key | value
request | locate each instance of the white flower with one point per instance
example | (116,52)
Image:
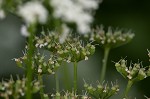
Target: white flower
(24,31)
(1,1)
(39,70)
(76,11)
(89,4)
(64,33)
(86,58)
(2,14)
(33,11)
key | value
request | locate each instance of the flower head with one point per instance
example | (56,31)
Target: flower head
(44,66)
(74,50)
(65,95)
(111,38)
(102,90)
(17,88)
(24,31)
(32,12)
(78,12)
(134,72)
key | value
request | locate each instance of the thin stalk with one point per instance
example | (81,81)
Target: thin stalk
(75,77)
(29,62)
(129,85)
(41,89)
(104,63)
(57,82)
(66,77)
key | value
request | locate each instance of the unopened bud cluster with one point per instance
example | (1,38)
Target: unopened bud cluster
(102,91)
(46,67)
(134,72)
(48,41)
(40,64)
(65,95)
(73,49)
(111,38)
(16,88)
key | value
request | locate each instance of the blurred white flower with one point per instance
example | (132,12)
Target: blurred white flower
(77,11)
(24,31)
(89,4)
(1,1)
(2,14)
(33,11)
(64,34)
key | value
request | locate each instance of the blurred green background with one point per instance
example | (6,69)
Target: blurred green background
(128,14)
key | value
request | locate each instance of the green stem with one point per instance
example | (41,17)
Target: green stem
(41,89)
(129,85)
(66,77)
(29,62)
(57,82)
(75,77)
(104,63)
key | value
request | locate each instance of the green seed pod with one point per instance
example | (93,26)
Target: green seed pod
(18,62)
(86,85)
(57,95)
(92,49)
(83,54)
(45,96)
(57,65)
(123,68)
(49,71)
(100,88)
(117,64)
(123,63)
(148,72)
(135,70)
(141,75)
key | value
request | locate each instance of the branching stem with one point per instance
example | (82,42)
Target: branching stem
(29,62)
(104,63)
(129,85)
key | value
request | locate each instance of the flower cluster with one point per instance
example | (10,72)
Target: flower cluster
(40,65)
(17,89)
(102,91)
(73,49)
(48,41)
(78,12)
(111,39)
(39,12)
(32,12)
(46,67)
(69,95)
(134,72)
(64,95)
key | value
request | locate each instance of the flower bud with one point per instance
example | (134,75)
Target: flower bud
(141,75)
(135,70)
(45,96)
(148,72)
